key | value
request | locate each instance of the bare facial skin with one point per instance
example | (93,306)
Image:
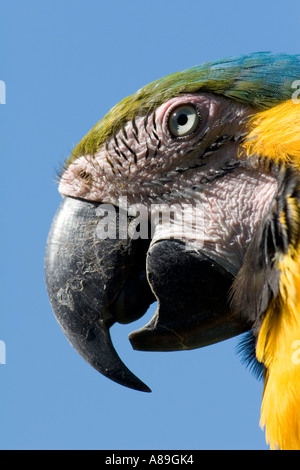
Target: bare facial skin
(204,170)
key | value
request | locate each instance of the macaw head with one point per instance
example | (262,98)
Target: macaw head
(188,193)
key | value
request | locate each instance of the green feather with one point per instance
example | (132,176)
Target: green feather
(260,79)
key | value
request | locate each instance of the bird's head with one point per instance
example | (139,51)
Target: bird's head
(185,195)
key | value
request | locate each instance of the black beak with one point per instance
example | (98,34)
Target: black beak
(193,309)
(94,282)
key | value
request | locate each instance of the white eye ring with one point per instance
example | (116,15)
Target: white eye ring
(183,121)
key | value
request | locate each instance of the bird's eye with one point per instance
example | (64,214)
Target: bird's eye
(183,121)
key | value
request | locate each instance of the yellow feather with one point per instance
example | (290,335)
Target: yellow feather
(278,347)
(275,134)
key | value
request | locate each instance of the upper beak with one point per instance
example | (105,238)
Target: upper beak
(92,283)
(89,282)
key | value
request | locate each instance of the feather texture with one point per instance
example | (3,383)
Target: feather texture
(275,134)
(278,347)
(260,79)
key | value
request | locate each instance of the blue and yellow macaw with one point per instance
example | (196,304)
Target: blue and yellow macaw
(188,193)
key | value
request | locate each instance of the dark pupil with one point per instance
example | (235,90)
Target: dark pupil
(182,119)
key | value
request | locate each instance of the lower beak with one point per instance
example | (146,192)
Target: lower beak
(193,309)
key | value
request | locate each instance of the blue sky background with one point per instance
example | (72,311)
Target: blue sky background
(65,64)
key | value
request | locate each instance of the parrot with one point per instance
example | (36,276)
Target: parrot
(187,194)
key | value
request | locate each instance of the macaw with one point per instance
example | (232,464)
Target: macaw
(188,193)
